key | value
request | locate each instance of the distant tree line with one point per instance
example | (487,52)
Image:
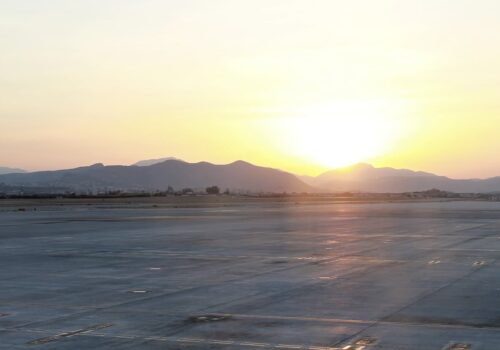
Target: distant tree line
(212,190)
(189,191)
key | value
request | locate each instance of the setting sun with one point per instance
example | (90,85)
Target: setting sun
(341,133)
(335,143)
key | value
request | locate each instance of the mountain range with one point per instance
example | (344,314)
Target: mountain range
(237,176)
(158,174)
(366,178)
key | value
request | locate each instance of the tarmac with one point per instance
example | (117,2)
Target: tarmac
(322,276)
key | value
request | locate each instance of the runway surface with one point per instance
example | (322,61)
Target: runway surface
(398,276)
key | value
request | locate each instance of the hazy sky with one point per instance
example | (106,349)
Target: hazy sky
(301,85)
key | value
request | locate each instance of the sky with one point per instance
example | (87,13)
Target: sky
(300,85)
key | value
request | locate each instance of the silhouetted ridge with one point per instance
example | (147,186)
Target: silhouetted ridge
(237,176)
(366,178)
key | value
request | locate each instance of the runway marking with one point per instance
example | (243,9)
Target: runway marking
(294,318)
(249,344)
(221,342)
(288,346)
(353,321)
(463,249)
(56,337)
(189,255)
(458,346)
(365,341)
(117,336)
(141,291)
(360,344)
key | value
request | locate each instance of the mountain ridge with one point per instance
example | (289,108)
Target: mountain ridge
(236,176)
(367,178)
(243,176)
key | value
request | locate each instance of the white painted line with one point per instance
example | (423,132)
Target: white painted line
(190,340)
(222,342)
(157,338)
(288,346)
(119,336)
(248,343)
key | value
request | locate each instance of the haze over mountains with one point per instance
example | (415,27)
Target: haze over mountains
(158,174)
(6,170)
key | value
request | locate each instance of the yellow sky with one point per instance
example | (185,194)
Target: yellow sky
(292,84)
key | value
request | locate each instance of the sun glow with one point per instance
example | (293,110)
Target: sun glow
(341,134)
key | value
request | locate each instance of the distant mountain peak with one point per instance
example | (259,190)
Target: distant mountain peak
(241,162)
(149,162)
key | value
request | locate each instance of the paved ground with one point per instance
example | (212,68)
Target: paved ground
(251,276)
